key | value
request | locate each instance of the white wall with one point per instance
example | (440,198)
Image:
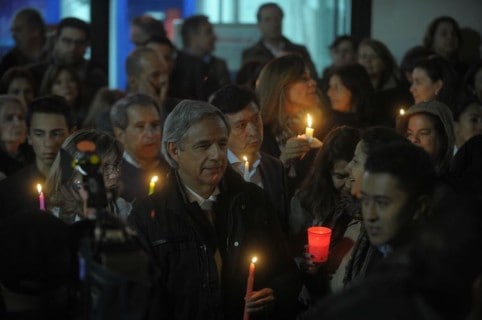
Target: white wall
(401,24)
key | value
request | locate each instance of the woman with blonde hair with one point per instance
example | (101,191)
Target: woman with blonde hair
(287,94)
(65,184)
(14,151)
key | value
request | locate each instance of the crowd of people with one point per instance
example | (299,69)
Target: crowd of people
(205,171)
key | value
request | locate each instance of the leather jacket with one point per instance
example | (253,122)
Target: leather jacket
(184,242)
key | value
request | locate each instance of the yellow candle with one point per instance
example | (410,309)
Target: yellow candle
(152,184)
(309,129)
(246,168)
(402,111)
(249,284)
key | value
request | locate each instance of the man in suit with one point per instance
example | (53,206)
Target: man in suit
(137,125)
(241,109)
(198,73)
(272,43)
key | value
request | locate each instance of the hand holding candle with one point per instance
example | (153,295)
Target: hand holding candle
(41,197)
(249,284)
(319,243)
(152,184)
(309,130)
(246,168)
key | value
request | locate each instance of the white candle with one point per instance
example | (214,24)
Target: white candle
(246,168)
(41,197)
(152,184)
(309,129)
(249,284)
(402,111)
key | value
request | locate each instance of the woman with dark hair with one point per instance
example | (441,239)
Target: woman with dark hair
(19,82)
(380,64)
(287,93)
(64,81)
(410,58)
(350,92)
(433,79)
(444,37)
(322,200)
(384,74)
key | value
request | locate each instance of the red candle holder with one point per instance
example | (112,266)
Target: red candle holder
(319,243)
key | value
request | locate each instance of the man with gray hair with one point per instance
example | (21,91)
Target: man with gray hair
(206,223)
(136,121)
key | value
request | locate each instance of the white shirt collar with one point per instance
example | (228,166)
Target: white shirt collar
(193,196)
(127,157)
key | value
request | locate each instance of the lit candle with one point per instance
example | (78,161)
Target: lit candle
(246,168)
(249,285)
(402,111)
(152,184)
(309,129)
(41,197)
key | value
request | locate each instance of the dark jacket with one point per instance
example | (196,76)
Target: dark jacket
(259,52)
(275,183)
(135,181)
(184,243)
(18,192)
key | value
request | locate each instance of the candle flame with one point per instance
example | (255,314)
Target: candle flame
(402,111)
(39,187)
(308,120)
(254,259)
(154,179)
(245,158)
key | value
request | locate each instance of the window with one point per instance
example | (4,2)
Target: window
(314,23)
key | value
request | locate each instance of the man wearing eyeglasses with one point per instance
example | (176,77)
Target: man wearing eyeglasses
(71,42)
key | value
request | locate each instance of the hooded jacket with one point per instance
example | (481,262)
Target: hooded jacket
(443,113)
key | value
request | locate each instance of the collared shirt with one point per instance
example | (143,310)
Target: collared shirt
(276,51)
(127,157)
(253,175)
(204,204)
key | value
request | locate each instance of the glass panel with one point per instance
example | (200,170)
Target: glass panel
(313,23)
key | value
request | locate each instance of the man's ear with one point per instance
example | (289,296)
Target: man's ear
(173,151)
(421,208)
(119,134)
(439,84)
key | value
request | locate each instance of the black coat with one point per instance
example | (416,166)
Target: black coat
(184,243)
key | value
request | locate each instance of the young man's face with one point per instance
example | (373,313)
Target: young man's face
(247,131)
(70,46)
(47,132)
(384,207)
